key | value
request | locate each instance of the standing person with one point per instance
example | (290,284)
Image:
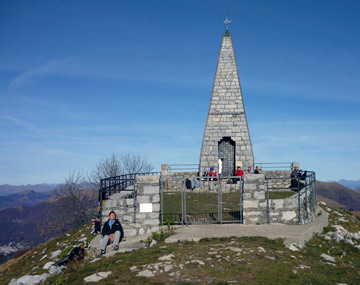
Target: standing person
(257,170)
(220,163)
(96,221)
(112,232)
(249,171)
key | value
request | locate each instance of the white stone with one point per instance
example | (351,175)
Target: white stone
(95,259)
(43,257)
(133,268)
(145,273)
(55,254)
(250,204)
(96,277)
(261,249)
(328,258)
(56,269)
(166,257)
(153,242)
(270,257)
(83,239)
(234,249)
(198,261)
(259,195)
(30,279)
(151,190)
(277,204)
(288,215)
(47,265)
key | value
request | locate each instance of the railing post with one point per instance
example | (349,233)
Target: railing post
(219,200)
(267,201)
(299,203)
(135,200)
(100,200)
(161,201)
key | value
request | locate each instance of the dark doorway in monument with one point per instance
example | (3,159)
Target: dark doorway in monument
(226,147)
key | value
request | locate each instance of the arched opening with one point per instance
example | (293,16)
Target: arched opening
(226,147)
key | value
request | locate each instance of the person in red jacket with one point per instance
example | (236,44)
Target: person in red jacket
(212,174)
(239,172)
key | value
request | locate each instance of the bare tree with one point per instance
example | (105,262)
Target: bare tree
(135,163)
(74,203)
(118,164)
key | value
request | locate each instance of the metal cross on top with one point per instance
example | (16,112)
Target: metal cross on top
(227,22)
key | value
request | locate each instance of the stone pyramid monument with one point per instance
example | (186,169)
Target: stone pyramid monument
(226,133)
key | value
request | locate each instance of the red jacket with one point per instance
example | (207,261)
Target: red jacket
(213,174)
(239,172)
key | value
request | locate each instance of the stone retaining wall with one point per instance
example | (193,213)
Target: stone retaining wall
(138,215)
(283,211)
(282,181)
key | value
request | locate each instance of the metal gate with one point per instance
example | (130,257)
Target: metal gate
(227,154)
(199,200)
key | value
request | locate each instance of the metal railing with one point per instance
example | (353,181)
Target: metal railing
(274,165)
(304,186)
(193,167)
(196,200)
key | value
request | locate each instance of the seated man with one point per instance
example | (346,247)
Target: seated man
(212,174)
(257,170)
(295,177)
(249,171)
(239,172)
(112,232)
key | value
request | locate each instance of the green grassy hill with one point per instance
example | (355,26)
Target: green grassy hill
(250,260)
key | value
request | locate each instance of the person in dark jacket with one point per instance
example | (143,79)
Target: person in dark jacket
(296,176)
(112,232)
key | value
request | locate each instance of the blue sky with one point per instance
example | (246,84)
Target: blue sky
(80,80)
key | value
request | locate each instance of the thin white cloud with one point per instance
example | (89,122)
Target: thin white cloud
(20,123)
(51,67)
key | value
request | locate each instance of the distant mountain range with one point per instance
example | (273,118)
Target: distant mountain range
(354,184)
(7,189)
(345,196)
(23,198)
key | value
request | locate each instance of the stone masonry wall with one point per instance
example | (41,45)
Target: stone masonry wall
(282,182)
(226,116)
(128,208)
(283,211)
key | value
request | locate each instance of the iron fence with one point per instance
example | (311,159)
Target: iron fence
(183,167)
(303,186)
(274,165)
(193,200)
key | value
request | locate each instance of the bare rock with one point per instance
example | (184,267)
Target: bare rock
(145,273)
(166,257)
(97,276)
(328,258)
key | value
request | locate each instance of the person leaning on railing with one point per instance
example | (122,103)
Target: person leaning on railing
(296,176)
